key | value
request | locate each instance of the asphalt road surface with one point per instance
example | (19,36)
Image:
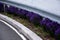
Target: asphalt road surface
(6,33)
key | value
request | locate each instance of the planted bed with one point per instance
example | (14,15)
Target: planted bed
(48,25)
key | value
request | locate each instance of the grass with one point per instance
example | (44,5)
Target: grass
(35,28)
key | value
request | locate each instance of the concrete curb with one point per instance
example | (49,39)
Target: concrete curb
(21,28)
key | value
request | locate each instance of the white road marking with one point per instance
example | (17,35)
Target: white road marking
(14,30)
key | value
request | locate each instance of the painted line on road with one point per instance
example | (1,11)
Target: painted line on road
(14,30)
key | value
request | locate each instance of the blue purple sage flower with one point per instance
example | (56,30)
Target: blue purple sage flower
(1,7)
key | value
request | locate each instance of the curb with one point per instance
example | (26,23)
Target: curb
(21,28)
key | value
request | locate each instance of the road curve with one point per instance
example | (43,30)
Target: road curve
(21,28)
(6,33)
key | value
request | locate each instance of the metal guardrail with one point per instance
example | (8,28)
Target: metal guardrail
(38,11)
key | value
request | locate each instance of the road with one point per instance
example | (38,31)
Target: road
(6,33)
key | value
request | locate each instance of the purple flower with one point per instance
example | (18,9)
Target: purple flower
(46,22)
(57,33)
(55,26)
(22,12)
(1,7)
(12,9)
(28,16)
(50,25)
(35,18)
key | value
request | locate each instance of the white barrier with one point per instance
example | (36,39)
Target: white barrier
(21,28)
